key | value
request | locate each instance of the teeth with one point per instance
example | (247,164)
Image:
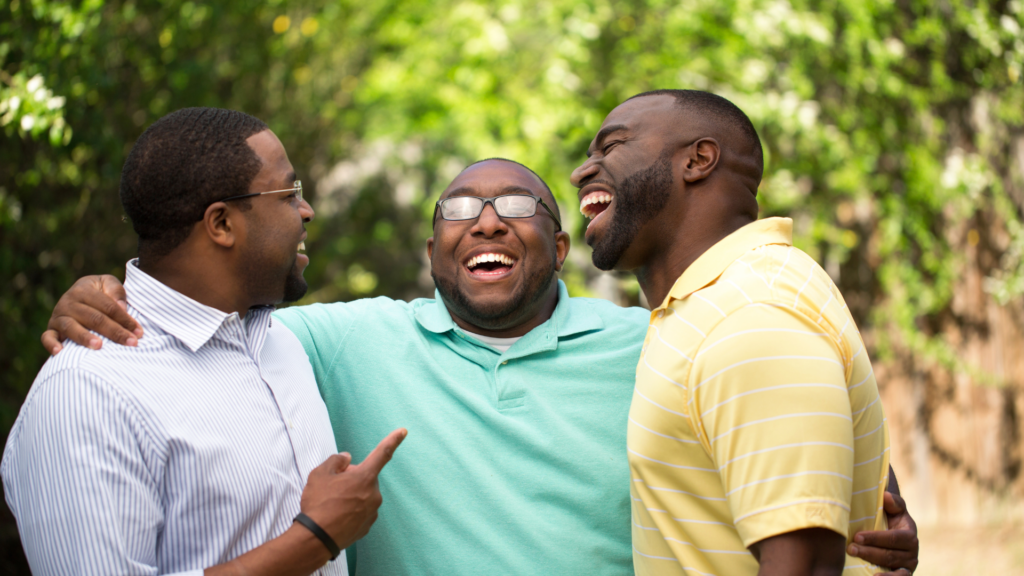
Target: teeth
(302,246)
(489,257)
(594,198)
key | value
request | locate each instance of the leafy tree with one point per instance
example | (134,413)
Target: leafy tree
(892,132)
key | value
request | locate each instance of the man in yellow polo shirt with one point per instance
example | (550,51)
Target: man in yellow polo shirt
(757,443)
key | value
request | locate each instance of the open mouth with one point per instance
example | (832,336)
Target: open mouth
(594,204)
(302,246)
(490,264)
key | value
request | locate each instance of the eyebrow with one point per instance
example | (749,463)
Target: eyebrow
(604,134)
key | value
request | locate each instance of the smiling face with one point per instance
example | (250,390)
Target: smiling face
(627,179)
(271,263)
(497,273)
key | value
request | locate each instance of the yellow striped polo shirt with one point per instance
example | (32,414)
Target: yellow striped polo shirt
(755,412)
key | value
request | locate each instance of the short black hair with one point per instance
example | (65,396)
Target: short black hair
(722,110)
(181,164)
(530,170)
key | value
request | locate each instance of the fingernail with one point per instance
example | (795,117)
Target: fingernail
(858,539)
(131,342)
(122,304)
(138,332)
(56,348)
(94,344)
(851,550)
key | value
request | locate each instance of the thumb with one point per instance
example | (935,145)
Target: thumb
(381,455)
(336,463)
(893,504)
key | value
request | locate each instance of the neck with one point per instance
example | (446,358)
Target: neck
(538,314)
(193,276)
(692,239)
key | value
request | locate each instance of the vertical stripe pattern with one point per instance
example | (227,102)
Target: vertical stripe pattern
(177,455)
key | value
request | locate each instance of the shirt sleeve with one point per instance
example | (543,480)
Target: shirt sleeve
(771,406)
(321,328)
(76,477)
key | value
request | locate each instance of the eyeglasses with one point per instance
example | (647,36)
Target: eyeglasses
(297,190)
(509,206)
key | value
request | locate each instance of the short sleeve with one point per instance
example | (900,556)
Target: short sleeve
(321,328)
(771,404)
(77,478)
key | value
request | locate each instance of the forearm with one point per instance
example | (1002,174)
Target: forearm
(808,552)
(295,553)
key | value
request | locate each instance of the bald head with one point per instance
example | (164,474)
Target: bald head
(545,192)
(720,119)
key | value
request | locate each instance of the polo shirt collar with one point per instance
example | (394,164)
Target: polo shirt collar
(176,314)
(564,320)
(710,265)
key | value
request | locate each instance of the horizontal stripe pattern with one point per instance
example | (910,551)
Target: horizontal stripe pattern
(755,412)
(177,455)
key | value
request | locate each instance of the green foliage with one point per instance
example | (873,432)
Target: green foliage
(892,130)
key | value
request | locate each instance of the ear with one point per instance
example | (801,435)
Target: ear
(222,224)
(700,159)
(430,248)
(562,243)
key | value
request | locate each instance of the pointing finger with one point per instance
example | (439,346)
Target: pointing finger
(381,455)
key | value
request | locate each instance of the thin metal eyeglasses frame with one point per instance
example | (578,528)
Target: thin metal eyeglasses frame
(297,190)
(486,201)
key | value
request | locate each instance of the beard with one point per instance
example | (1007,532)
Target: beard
(496,316)
(270,285)
(295,286)
(640,198)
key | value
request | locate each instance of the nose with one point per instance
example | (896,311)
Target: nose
(583,172)
(489,223)
(306,211)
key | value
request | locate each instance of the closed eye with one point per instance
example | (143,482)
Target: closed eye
(609,146)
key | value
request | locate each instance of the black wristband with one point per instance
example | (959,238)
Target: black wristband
(320,534)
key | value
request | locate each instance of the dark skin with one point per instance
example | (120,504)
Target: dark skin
(210,267)
(532,242)
(714,179)
(96,302)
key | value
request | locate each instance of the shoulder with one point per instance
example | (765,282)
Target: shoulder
(317,316)
(609,310)
(71,390)
(631,322)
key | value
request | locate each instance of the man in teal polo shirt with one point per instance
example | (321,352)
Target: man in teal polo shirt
(518,467)
(515,395)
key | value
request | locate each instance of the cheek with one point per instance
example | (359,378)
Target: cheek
(443,255)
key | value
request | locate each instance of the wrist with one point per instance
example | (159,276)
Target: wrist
(319,533)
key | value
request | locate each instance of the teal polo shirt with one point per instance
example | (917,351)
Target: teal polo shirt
(515,462)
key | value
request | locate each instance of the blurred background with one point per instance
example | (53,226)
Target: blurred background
(893,131)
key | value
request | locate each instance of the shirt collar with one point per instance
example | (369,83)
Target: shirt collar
(564,320)
(180,316)
(710,265)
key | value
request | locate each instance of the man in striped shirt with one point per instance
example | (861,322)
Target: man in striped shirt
(190,453)
(757,443)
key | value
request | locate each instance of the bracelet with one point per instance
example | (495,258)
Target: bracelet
(320,534)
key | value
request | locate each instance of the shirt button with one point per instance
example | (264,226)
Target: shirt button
(661,313)
(505,362)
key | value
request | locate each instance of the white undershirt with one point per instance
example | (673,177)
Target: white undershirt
(502,344)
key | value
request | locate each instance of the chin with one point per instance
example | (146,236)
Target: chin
(295,287)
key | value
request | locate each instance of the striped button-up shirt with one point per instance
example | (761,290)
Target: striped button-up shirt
(171,457)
